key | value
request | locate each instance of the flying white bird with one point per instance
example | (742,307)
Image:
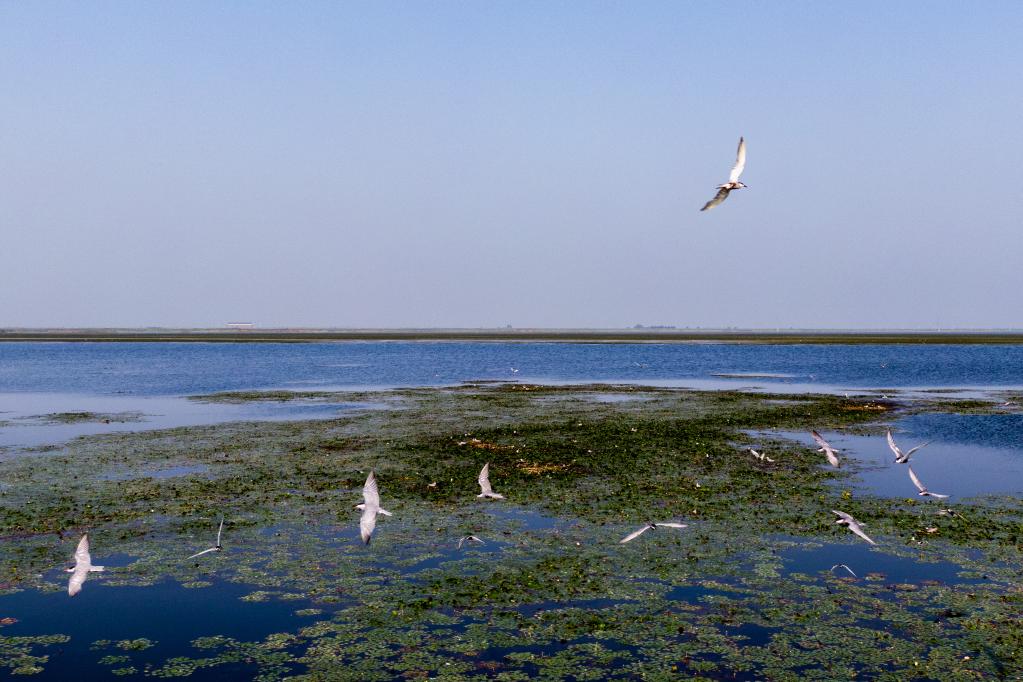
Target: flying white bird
(845,567)
(83,566)
(733,178)
(762,457)
(826,449)
(469,538)
(924,492)
(852,524)
(900,456)
(217,547)
(484,481)
(370,508)
(649,526)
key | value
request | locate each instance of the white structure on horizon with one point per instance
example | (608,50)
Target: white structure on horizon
(241,325)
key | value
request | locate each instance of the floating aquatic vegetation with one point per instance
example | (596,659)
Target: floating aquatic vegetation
(83,417)
(16,652)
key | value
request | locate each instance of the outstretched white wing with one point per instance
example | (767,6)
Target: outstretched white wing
(740,162)
(718,198)
(635,534)
(82,552)
(673,525)
(855,527)
(843,516)
(916,481)
(205,551)
(220,530)
(74,586)
(893,446)
(820,440)
(370,493)
(912,450)
(367,523)
(484,479)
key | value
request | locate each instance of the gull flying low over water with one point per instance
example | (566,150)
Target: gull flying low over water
(215,548)
(649,526)
(845,567)
(924,492)
(469,538)
(827,450)
(852,524)
(733,178)
(900,456)
(484,481)
(83,566)
(370,508)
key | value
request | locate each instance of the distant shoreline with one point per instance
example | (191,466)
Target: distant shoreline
(514,335)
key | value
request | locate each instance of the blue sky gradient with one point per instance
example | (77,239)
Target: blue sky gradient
(534,164)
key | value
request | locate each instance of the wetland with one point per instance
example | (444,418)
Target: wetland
(746,591)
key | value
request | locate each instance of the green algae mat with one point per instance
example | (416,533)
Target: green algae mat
(745,591)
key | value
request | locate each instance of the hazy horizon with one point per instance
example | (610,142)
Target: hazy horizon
(386,165)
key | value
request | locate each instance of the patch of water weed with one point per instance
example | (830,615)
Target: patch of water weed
(16,653)
(86,417)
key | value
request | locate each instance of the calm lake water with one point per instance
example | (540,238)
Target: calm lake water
(164,369)
(149,380)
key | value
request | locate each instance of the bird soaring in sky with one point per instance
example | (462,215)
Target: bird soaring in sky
(370,508)
(733,178)
(83,566)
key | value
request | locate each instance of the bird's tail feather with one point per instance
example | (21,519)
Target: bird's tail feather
(384,512)
(97,568)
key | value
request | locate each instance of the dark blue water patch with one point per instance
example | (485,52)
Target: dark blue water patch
(198,368)
(166,613)
(1003,431)
(525,519)
(693,594)
(865,560)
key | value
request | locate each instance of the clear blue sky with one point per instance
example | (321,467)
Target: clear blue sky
(533,164)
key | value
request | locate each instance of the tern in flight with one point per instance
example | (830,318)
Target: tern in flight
(900,456)
(924,492)
(370,508)
(469,538)
(826,449)
(733,178)
(484,481)
(217,547)
(852,524)
(845,567)
(761,456)
(649,526)
(83,566)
